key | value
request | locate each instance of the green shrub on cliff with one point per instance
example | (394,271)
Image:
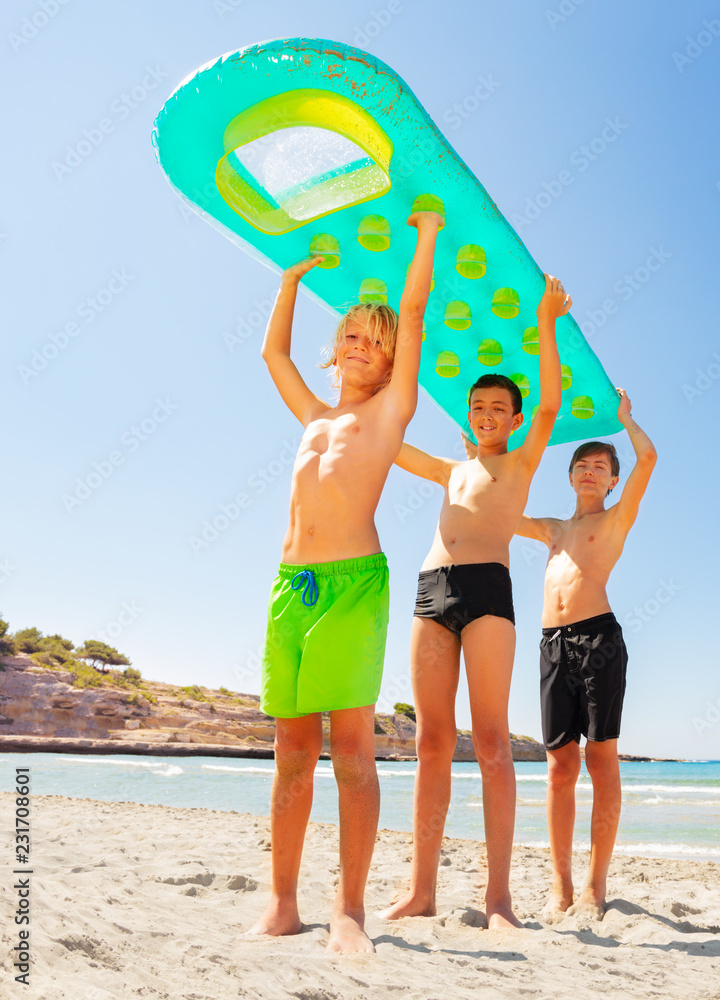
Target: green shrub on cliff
(27,640)
(195,692)
(100,653)
(402,709)
(7,646)
(53,651)
(82,675)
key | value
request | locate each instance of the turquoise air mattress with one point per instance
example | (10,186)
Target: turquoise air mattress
(301,146)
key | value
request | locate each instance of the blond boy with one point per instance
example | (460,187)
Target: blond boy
(465,604)
(583,657)
(328,610)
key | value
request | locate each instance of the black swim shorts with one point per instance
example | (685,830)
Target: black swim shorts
(582,681)
(454,596)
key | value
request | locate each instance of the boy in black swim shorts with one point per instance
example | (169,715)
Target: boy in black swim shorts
(464,604)
(583,657)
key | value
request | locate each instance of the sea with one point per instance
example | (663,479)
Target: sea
(670,809)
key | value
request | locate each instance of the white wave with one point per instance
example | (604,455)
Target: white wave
(153,765)
(658,801)
(473,775)
(642,849)
(244,770)
(655,848)
(382,773)
(466,776)
(672,789)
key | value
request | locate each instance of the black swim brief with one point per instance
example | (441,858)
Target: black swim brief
(454,596)
(582,681)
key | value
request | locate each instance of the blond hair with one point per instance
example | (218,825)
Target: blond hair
(379,320)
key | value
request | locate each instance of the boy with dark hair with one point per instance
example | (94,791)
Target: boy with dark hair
(464,604)
(583,451)
(328,609)
(583,657)
(496,381)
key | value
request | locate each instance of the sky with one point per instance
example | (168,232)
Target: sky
(118,388)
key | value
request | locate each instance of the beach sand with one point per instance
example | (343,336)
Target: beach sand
(153,902)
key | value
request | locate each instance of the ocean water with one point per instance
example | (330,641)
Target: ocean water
(669,809)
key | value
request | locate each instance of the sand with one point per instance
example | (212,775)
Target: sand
(152,902)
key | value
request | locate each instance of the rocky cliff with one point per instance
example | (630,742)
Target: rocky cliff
(42,709)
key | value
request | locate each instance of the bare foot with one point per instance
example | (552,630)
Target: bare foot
(409,906)
(500,915)
(347,935)
(559,901)
(280,917)
(588,904)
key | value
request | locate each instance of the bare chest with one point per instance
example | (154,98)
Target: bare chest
(480,488)
(347,441)
(583,547)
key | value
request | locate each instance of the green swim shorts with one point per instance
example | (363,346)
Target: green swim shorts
(325,639)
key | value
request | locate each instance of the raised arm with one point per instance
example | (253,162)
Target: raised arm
(534,527)
(412,459)
(554,303)
(276,347)
(403,388)
(646,456)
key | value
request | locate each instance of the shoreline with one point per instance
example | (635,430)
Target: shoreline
(145,901)
(60,744)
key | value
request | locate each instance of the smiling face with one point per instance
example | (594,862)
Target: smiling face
(363,331)
(360,357)
(592,475)
(491,416)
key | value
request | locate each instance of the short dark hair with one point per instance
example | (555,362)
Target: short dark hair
(597,448)
(495,381)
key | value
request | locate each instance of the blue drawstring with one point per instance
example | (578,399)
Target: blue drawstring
(306,580)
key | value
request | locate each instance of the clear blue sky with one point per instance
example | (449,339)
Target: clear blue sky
(138,296)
